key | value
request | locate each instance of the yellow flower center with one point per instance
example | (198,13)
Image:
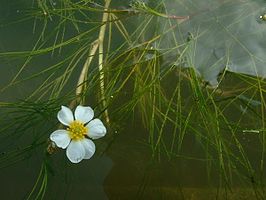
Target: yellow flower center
(77,130)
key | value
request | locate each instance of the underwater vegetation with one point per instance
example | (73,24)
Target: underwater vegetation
(176,91)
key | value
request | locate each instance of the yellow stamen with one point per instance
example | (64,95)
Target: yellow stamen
(77,130)
(263,17)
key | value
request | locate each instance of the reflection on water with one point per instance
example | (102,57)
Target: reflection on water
(226,34)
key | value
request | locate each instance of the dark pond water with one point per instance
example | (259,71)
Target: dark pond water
(211,144)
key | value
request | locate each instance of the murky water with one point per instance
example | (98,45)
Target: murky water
(128,163)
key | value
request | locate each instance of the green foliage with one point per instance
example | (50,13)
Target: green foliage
(157,63)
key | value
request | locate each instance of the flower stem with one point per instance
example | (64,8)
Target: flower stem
(84,73)
(97,44)
(101,39)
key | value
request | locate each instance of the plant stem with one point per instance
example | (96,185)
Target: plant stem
(84,73)
(101,39)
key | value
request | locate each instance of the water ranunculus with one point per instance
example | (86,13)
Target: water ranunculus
(80,127)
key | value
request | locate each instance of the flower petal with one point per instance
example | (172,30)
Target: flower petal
(89,147)
(75,151)
(96,129)
(61,138)
(84,114)
(65,115)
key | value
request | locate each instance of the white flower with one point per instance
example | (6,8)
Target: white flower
(75,137)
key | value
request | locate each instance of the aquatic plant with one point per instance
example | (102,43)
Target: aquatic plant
(74,138)
(177,82)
